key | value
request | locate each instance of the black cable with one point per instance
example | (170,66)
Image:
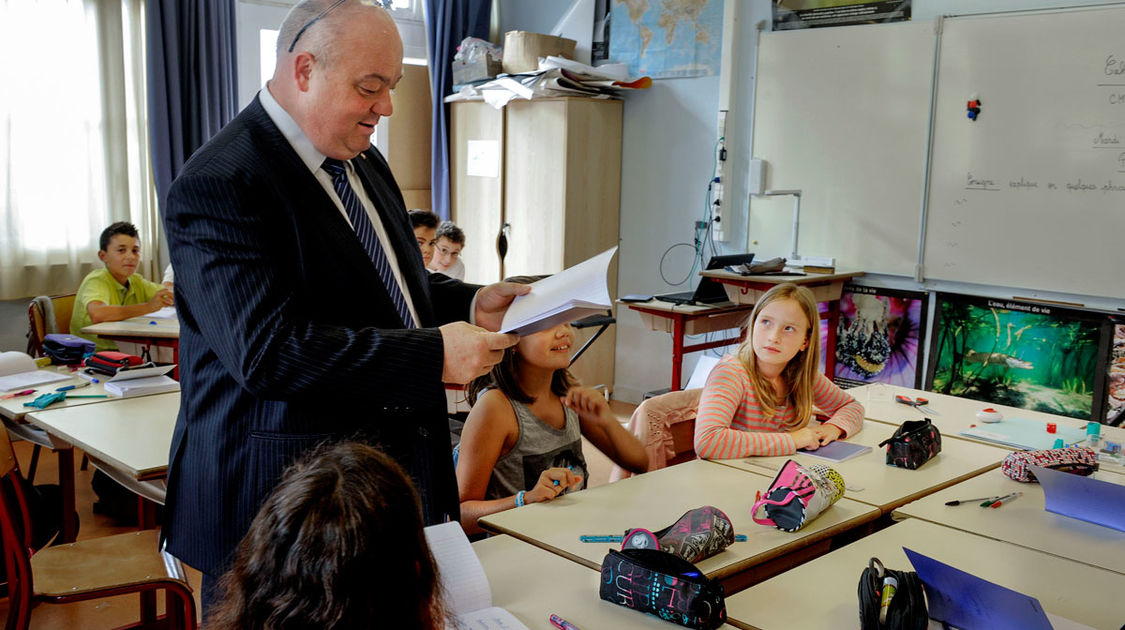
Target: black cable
(665,255)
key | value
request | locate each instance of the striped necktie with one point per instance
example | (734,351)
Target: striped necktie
(357,214)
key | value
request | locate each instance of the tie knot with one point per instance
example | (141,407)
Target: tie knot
(333,167)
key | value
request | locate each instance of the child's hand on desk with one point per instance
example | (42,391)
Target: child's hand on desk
(827,433)
(806,438)
(163,297)
(589,403)
(551,484)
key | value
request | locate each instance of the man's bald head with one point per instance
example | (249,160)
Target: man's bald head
(336,81)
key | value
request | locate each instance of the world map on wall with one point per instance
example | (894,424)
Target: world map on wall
(666,38)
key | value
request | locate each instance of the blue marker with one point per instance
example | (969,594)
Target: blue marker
(591,538)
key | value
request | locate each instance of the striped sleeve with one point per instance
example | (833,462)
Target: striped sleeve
(843,410)
(729,423)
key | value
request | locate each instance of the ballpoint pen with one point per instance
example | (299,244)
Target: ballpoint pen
(17,394)
(960,501)
(1003,500)
(67,388)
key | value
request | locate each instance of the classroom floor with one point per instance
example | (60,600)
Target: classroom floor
(122,610)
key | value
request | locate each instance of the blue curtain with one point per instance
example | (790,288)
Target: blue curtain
(447,23)
(192,83)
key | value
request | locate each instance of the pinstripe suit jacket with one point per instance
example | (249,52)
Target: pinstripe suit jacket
(288,338)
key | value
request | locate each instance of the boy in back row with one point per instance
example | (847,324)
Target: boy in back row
(117,291)
(441,244)
(447,251)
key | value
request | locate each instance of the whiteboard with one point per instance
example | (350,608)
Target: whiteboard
(842,114)
(1032,194)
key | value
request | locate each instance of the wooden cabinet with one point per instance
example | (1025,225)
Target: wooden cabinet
(550,169)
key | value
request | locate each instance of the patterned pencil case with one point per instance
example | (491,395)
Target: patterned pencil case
(914,443)
(664,585)
(1078,460)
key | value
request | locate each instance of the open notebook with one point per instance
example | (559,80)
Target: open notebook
(468,598)
(19,371)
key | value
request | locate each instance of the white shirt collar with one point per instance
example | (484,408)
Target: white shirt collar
(312,158)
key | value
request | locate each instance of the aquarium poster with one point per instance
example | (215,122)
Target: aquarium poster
(879,337)
(1115,391)
(1022,354)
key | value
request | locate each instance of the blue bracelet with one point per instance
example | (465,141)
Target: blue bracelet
(519,498)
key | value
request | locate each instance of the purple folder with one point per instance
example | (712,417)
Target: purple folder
(966,601)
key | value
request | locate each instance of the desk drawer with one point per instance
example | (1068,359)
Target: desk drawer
(750,295)
(705,324)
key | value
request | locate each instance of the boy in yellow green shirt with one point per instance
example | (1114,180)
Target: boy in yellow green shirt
(116,292)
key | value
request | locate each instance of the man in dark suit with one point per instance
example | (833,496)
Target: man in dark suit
(305,312)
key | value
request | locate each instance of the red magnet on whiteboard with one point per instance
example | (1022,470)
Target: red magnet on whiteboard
(974,108)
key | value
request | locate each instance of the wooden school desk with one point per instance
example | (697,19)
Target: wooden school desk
(657,499)
(14,416)
(1023,521)
(952,414)
(887,487)
(691,319)
(128,439)
(826,287)
(532,584)
(144,330)
(821,595)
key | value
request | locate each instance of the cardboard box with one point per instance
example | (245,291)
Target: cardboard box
(483,67)
(522,50)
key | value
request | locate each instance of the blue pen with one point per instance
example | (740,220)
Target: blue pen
(67,388)
(592,538)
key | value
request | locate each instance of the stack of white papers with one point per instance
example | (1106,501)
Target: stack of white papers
(572,294)
(141,386)
(468,598)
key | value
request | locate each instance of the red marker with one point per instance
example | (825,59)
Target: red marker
(1005,499)
(17,394)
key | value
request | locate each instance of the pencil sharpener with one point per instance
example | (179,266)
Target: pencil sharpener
(989,415)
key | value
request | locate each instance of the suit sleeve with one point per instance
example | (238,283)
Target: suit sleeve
(232,245)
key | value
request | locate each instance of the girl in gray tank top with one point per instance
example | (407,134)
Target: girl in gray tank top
(522,441)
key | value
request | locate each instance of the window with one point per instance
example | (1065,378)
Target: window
(73,139)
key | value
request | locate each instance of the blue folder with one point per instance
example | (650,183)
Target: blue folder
(1084,498)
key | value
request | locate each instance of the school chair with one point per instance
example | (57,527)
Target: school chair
(47,315)
(89,569)
(665,425)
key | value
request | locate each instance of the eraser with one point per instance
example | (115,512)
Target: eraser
(989,415)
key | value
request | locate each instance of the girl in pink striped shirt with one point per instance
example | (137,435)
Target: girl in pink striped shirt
(761,400)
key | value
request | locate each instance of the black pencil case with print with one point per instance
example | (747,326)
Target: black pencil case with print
(665,585)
